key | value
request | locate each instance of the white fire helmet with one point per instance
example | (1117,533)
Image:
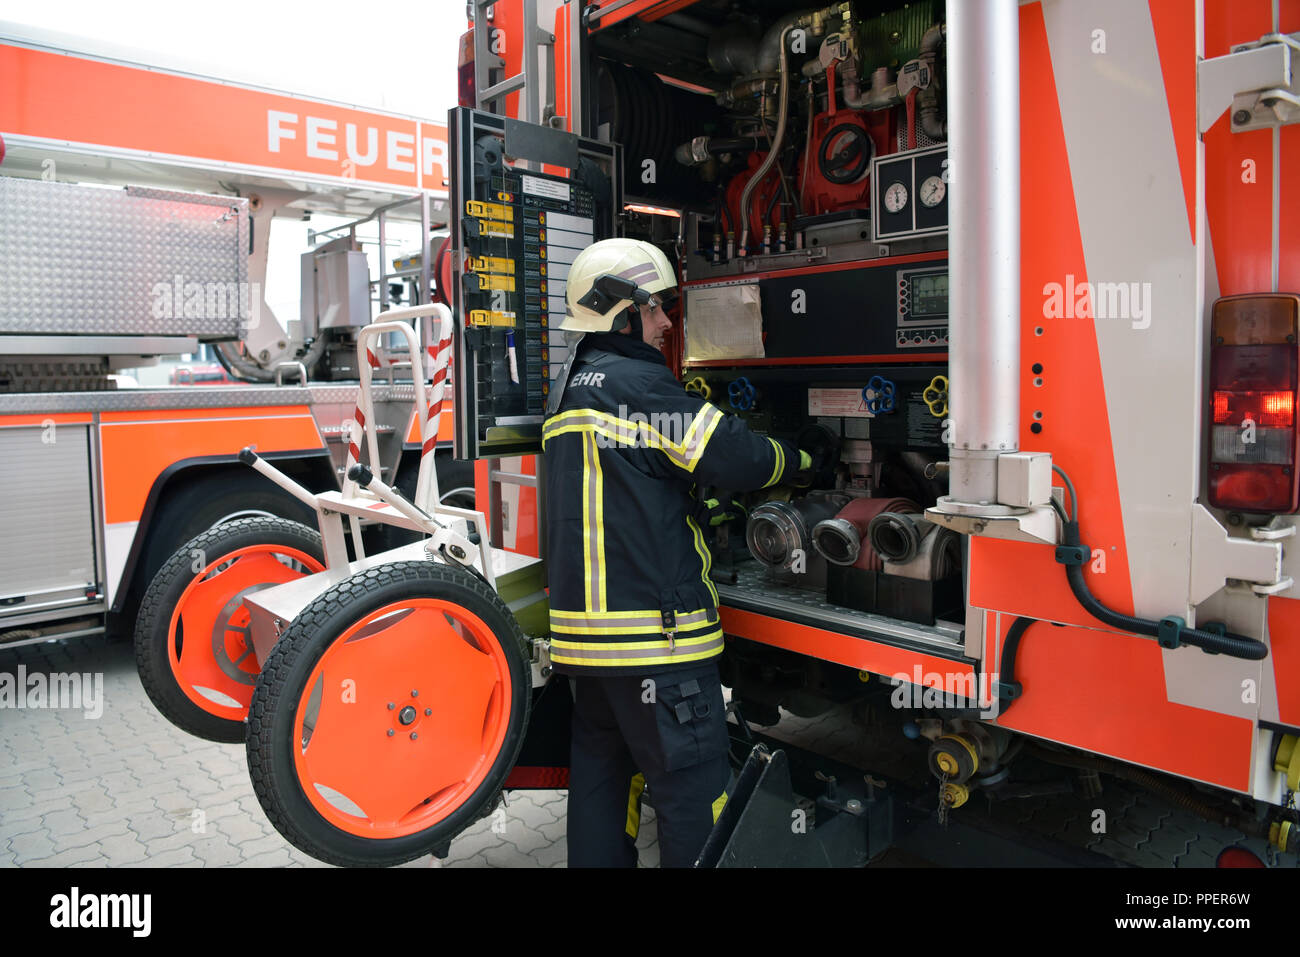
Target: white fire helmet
(609,276)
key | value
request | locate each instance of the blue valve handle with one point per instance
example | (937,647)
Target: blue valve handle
(741,393)
(880,396)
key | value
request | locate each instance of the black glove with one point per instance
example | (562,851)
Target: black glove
(808,469)
(714,507)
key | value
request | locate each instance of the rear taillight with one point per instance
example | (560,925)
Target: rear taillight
(466,92)
(1254,367)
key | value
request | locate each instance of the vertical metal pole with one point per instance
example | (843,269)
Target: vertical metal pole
(383,266)
(482,76)
(530,64)
(426,253)
(575,46)
(984,241)
(497,534)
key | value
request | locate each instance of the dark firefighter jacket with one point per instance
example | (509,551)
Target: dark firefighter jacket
(628,565)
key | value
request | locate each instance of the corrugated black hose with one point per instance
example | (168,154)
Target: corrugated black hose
(1170,632)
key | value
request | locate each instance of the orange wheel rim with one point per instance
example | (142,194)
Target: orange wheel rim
(402,718)
(209,641)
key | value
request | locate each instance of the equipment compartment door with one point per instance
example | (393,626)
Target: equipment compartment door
(48,558)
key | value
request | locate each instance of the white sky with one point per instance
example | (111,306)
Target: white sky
(397,57)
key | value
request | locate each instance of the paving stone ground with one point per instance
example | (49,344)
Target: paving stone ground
(128,788)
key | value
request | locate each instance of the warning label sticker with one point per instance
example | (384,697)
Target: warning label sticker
(846,402)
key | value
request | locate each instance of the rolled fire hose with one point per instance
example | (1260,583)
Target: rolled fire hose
(843,539)
(776,529)
(896,536)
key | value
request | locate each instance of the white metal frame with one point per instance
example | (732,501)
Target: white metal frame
(364,495)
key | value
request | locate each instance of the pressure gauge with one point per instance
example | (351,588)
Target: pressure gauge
(932,191)
(895,197)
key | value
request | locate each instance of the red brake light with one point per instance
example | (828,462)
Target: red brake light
(1254,379)
(466,90)
(1278,408)
(1221,401)
(1268,409)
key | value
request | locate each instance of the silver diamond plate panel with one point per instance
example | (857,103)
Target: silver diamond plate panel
(50,546)
(82,260)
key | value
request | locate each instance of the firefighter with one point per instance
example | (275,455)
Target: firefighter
(634,616)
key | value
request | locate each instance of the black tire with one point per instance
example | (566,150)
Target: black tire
(272,718)
(153,624)
(199,503)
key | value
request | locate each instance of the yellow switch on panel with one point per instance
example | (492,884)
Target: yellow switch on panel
(488,317)
(493,281)
(474,207)
(492,264)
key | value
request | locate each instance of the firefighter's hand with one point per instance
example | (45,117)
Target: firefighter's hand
(720,511)
(804,476)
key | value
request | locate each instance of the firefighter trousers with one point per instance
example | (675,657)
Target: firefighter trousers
(663,732)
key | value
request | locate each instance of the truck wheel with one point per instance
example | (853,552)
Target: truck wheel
(389,714)
(193,647)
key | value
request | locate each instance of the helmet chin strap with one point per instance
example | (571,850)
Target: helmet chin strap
(633,314)
(629,318)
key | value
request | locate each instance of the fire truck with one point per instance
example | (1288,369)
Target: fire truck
(126,240)
(1006,270)
(1016,275)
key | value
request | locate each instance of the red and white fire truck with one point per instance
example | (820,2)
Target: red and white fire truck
(1023,273)
(1018,275)
(101,279)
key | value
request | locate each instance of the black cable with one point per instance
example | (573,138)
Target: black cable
(1008,689)
(725,214)
(1074,498)
(1170,632)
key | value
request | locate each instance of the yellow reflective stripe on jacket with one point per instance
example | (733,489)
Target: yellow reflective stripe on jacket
(623,623)
(593,524)
(641,434)
(574,647)
(701,430)
(705,557)
(589,420)
(779,466)
(636,653)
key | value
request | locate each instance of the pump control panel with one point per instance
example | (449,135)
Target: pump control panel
(526,200)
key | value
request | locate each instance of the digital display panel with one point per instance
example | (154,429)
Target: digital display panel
(929,295)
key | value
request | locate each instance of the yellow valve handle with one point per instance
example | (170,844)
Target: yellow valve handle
(699,386)
(935,396)
(1287,760)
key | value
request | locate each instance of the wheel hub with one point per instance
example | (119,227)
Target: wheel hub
(232,635)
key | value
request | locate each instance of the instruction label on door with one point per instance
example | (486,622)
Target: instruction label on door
(842,402)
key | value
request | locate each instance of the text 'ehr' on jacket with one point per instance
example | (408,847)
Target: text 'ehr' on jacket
(628,565)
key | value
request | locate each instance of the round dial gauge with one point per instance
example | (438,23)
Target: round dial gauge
(895,197)
(933,191)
